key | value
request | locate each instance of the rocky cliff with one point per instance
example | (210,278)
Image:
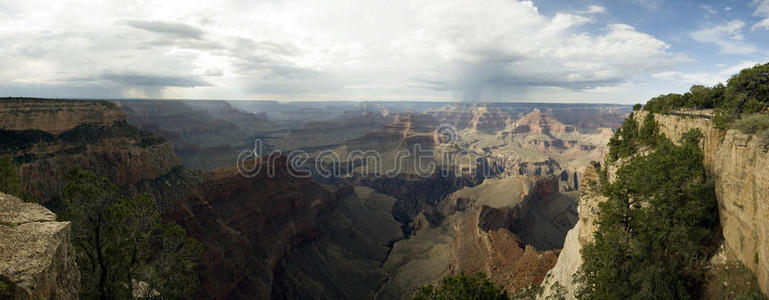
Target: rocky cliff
(37,260)
(570,258)
(247,225)
(503,227)
(47,137)
(205,134)
(736,161)
(55,116)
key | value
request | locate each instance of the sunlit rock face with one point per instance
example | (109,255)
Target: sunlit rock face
(37,260)
(736,161)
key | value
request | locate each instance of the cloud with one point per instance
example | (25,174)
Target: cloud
(139,79)
(762,11)
(302,49)
(594,9)
(708,9)
(727,36)
(705,78)
(512,49)
(177,30)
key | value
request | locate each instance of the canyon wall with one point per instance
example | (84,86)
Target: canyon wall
(736,161)
(738,164)
(37,260)
(55,116)
(47,137)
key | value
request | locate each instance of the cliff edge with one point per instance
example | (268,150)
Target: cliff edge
(37,260)
(736,161)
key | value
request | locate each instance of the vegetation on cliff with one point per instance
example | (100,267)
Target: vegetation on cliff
(22,140)
(755,124)
(123,248)
(10,182)
(657,227)
(744,93)
(462,286)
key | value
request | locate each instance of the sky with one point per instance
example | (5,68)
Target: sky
(613,51)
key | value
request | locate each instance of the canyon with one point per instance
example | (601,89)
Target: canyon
(509,193)
(502,195)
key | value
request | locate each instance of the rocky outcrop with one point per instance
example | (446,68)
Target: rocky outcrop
(482,117)
(55,116)
(501,227)
(37,260)
(103,142)
(570,258)
(540,123)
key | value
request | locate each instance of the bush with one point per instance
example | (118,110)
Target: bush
(649,131)
(462,286)
(10,182)
(637,107)
(120,241)
(655,230)
(6,288)
(623,142)
(746,92)
(752,124)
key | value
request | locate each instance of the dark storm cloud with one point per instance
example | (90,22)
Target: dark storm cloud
(495,73)
(136,79)
(269,60)
(178,30)
(67,90)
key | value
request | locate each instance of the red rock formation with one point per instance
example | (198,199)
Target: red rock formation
(541,123)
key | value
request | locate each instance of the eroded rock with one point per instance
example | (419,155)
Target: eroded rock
(37,260)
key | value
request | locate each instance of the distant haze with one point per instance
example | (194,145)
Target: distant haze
(623,51)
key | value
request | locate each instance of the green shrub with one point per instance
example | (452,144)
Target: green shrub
(637,107)
(10,181)
(623,142)
(752,124)
(649,131)
(462,286)
(6,288)
(121,240)
(656,228)
(745,93)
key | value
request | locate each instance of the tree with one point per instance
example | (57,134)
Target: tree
(10,182)
(700,97)
(748,91)
(122,244)
(462,286)
(649,131)
(623,142)
(654,230)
